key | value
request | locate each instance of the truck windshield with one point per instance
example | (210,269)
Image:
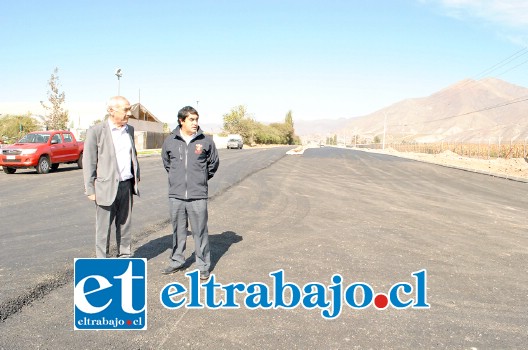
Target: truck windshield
(35,138)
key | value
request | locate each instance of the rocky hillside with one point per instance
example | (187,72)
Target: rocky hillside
(469,111)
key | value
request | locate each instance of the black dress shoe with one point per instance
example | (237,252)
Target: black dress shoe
(204,275)
(171,269)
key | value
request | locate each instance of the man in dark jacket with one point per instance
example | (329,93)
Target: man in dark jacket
(191,159)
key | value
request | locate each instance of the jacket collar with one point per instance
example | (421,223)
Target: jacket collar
(177,132)
(111,125)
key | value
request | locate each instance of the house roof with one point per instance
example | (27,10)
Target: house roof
(139,112)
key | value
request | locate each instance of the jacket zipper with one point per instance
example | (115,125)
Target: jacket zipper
(186,183)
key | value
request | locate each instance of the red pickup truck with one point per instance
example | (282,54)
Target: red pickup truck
(43,150)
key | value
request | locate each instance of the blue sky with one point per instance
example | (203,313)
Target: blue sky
(320,59)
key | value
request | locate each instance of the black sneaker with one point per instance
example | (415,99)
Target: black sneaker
(204,275)
(171,269)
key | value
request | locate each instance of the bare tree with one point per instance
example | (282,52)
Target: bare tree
(57,117)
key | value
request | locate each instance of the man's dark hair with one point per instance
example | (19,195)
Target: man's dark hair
(184,113)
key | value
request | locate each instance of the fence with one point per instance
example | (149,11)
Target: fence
(471,150)
(149,139)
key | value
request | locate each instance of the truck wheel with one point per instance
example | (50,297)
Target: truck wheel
(80,161)
(55,166)
(9,170)
(43,166)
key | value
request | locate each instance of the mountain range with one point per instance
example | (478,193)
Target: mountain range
(486,110)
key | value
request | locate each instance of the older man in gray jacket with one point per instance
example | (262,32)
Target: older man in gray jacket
(111,177)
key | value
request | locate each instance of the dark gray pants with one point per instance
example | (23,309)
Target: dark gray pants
(120,214)
(196,212)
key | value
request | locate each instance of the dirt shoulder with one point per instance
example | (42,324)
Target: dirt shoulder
(514,168)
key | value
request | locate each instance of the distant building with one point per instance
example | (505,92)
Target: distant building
(143,120)
(148,130)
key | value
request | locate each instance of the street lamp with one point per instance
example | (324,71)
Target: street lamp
(119,74)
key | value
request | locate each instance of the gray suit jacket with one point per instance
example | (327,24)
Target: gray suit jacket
(100,164)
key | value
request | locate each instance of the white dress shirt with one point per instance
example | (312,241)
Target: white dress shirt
(123,150)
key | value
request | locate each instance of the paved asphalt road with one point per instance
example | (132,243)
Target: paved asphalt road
(370,218)
(47,220)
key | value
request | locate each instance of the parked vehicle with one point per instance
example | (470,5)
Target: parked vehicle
(234,141)
(43,150)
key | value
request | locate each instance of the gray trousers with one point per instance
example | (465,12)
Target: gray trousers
(118,214)
(196,212)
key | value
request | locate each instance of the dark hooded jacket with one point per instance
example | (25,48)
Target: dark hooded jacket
(189,166)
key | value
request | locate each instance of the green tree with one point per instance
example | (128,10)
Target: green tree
(234,119)
(13,127)
(268,134)
(289,119)
(57,117)
(96,121)
(289,129)
(377,139)
(239,121)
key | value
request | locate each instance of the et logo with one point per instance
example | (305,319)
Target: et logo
(110,294)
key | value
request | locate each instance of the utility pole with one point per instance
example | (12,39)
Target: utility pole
(384,129)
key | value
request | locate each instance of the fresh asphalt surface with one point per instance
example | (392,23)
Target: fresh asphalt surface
(371,218)
(47,220)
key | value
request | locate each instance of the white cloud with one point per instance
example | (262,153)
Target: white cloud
(511,13)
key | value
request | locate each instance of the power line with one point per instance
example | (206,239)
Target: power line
(499,105)
(502,63)
(506,71)
(525,98)
(474,80)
